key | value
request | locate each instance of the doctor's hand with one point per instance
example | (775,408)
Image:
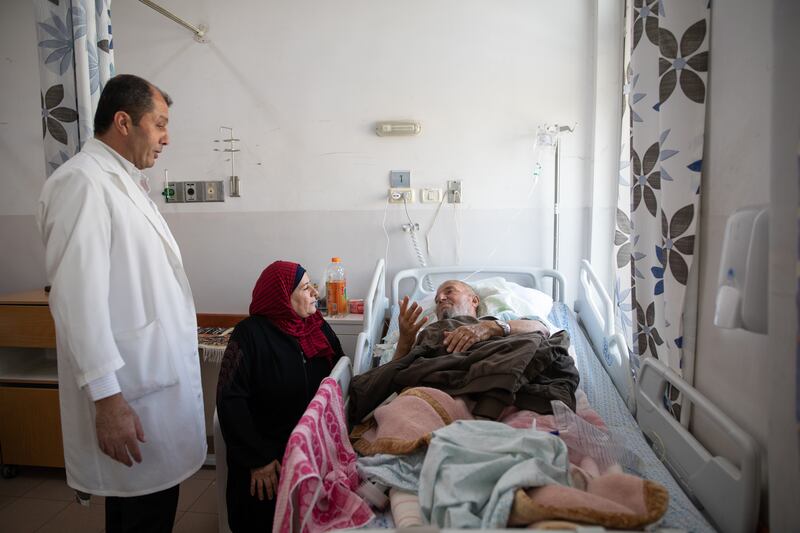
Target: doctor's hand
(118,429)
(263,478)
(409,327)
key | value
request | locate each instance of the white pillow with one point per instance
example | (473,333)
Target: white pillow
(496,296)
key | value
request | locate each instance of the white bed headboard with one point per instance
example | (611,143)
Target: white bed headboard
(410,281)
(375,306)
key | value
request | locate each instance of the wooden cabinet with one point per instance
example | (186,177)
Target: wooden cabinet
(25,321)
(30,425)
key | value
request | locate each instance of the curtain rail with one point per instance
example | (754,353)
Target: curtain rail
(199,32)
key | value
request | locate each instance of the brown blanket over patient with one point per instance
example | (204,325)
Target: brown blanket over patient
(525,370)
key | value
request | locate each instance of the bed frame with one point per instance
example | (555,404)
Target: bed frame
(727,488)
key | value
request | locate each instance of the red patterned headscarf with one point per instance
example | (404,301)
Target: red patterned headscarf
(272,298)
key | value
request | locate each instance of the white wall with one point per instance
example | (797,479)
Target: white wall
(609,32)
(302,83)
(750,158)
(21,154)
(731,364)
(782,348)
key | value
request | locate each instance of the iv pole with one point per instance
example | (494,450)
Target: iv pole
(557,130)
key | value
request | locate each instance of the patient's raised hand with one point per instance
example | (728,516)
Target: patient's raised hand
(410,325)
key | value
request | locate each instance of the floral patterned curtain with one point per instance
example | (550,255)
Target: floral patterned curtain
(666,71)
(76,58)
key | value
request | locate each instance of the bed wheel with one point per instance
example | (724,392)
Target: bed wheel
(9,471)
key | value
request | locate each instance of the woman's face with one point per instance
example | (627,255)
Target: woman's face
(304,298)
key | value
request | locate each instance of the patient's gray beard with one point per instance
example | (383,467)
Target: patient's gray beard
(462,310)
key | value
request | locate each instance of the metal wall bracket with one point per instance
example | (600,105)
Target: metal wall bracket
(199,31)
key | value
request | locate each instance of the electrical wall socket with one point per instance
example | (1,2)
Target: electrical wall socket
(178,192)
(190,191)
(173,194)
(213,191)
(454,192)
(398,194)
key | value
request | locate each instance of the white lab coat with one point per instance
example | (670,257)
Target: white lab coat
(121,303)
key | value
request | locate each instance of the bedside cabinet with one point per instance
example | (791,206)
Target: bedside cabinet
(30,421)
(347,327)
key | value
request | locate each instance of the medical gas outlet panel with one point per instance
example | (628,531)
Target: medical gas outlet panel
(178,192)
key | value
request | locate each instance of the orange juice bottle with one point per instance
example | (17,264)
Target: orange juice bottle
(336,288)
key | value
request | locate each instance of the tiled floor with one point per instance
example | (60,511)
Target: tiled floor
(38,499)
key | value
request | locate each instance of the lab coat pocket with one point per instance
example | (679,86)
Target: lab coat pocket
(149,365)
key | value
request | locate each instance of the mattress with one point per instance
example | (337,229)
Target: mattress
(606,401)
(604,398)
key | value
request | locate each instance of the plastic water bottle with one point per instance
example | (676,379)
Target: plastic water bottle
(336,288)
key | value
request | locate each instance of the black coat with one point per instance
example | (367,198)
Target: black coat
(265,384)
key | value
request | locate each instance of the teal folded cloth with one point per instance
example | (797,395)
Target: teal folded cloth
(473,467)
(398,471)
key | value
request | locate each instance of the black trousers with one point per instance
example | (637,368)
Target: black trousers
(149,513)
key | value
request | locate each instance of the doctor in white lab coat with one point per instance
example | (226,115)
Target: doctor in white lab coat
(129,376)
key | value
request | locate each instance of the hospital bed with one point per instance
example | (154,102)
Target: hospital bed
(704,488)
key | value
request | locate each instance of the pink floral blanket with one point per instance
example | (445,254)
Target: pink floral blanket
(318,479)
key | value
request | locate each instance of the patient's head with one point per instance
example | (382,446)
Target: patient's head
(456,298)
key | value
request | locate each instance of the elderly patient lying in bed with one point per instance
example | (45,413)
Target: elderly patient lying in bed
(449,470)
(495,363)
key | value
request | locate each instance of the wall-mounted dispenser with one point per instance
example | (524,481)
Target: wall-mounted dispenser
(742,294)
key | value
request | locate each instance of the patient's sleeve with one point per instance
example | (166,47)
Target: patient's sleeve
(510,315)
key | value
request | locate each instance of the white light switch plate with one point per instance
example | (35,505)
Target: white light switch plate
(431,196)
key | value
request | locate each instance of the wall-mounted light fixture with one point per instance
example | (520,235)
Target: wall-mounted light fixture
(397,127)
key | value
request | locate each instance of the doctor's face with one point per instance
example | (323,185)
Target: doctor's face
(304,298)
(147,139)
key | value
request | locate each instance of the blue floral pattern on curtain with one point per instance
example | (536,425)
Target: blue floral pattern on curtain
(76,58)
(666,70)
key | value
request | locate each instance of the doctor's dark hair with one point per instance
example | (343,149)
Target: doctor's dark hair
(128,93)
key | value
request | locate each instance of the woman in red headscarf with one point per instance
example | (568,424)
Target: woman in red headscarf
(273,365)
